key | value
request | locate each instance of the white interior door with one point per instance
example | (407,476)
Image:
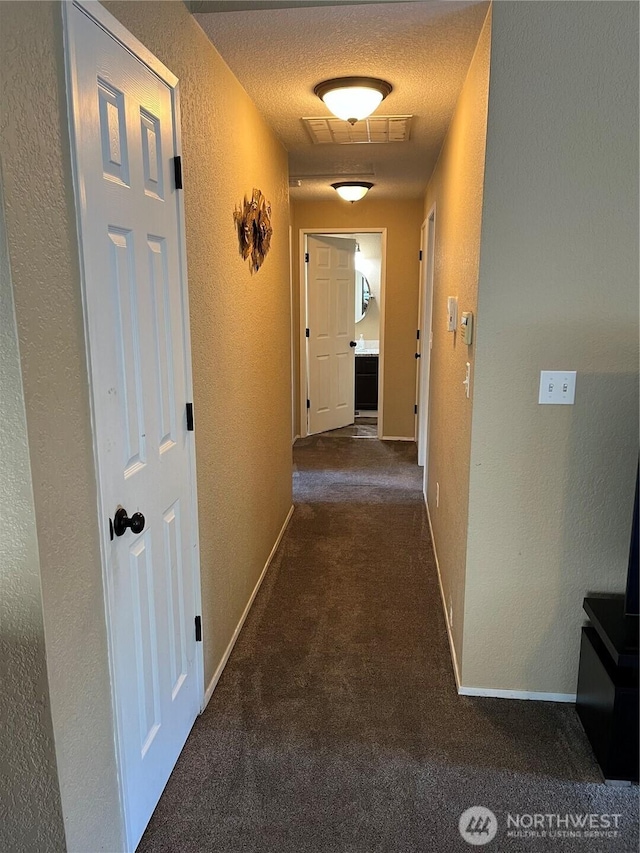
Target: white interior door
(125,135)
(331,323)
(424,343)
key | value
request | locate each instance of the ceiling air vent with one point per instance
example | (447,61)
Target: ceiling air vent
(375,129)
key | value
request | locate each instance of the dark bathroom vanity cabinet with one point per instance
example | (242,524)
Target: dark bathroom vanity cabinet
(366,382)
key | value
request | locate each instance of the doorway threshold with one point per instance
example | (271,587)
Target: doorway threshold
(356,430)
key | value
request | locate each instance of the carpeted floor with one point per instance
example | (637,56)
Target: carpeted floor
(336,726)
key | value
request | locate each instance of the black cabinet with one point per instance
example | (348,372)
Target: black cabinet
(366,382)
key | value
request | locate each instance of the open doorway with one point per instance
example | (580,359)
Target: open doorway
(342,279)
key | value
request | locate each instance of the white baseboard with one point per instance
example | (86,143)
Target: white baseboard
(398,438)
(225,657)
(487,691)
(517,694)
(452,648)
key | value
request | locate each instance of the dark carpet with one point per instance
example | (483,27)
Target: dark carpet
(336,726)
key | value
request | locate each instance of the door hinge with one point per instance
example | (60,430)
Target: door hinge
(415,409)
(307,332)
(420,254)
(417,334)
(198,629)
(189,417)
(177,172)
(308,404)
(306,257)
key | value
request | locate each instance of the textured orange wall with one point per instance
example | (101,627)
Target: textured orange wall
(456,188)
(241,379)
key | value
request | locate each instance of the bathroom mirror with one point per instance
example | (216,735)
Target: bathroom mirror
(363,296)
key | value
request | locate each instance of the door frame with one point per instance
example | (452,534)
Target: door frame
(292,324)
(304,374)
(425,325)
(107,22)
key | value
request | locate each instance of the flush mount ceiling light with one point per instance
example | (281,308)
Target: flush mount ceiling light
(352,190)
(353,98)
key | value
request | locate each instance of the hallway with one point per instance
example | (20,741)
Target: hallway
(336,726)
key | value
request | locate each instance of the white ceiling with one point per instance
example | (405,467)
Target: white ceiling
(422,48)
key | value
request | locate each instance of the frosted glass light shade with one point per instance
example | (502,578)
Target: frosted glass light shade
(352,190)
(354,103)
(353,98)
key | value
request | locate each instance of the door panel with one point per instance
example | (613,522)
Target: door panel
(175,603)
(115,162)
(160,297)
(344,310)
(322,392)
(145,641)
(127,335)
(345,381)
(151,155)
(124,124)
(321,308)
(331,323)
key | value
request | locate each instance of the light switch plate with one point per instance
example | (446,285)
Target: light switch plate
(557,387)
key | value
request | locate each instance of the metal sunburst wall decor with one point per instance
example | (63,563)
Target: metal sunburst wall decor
(253,222)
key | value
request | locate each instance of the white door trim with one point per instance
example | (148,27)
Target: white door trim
(292,325)
(425,324)
(99,15)
(420,335)
(302,342)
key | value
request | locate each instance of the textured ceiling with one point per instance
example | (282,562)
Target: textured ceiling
(422,48)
